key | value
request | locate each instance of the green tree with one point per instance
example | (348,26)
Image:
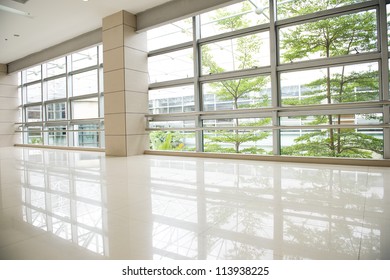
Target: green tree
(242,56)
(168,141)
(332,37)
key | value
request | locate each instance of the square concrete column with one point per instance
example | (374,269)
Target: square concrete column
(9,103)
(125,85)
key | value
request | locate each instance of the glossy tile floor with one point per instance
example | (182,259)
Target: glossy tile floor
(82,205)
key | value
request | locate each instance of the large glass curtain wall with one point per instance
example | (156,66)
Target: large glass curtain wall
(281,77)
(62,101)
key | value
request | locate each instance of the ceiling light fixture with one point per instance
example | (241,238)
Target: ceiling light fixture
(14,11)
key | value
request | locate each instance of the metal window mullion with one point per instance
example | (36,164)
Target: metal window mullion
(68,103)
(235,34)
(170,49)
(56,77)
(383,46)
(275,96)
(173,83)
(384,66)
(236,74)
(197,86)
(100,90)
(386,132)
(83,70)
(86,96)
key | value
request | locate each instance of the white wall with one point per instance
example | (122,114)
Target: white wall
(8,107)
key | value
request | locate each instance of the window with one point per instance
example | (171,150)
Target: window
(34,113)
(33,74)
(331,85)
(56,111)
(172,100)
(178,65)
(34,135)
(57,102)
(336,36)
(236,54)
(56,67)
(237,94)
(57,136)
(84,59)
(293,8)
(56,88)
(87,135)
(170,34)
(34,93)
(306,83)
(85,108)
(234,17)
(85,83)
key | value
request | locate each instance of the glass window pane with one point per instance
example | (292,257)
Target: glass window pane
(343,35)
(86,135)
(237,94)
(84,58)
(348,83)
(170,34)
(56,111)
(172,140)
(85,83)
(34,135)
(171,66)
(292,8)
(56,88)
(245,141)
(234,17)
(236,54)
(34,93)
(348,143)
(56,67)
(33,74)
(34,113)
(57,136)
(85,108)
(170,100)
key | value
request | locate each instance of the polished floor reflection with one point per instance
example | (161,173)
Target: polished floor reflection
(82,205)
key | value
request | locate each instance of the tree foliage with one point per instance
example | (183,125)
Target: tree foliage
(234,90)
(335,36)
(168,141)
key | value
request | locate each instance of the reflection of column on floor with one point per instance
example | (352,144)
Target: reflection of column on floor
(384,226)
(129,212)
(125,85)
(278,213)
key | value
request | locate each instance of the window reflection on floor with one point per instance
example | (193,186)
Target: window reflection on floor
(62,194)
(151,207)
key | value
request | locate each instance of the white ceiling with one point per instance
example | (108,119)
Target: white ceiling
(55,21)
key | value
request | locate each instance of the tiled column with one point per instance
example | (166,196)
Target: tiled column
(8,107)
(125,85)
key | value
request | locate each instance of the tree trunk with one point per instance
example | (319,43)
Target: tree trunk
(330,118)
(235,121)
(339,116)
